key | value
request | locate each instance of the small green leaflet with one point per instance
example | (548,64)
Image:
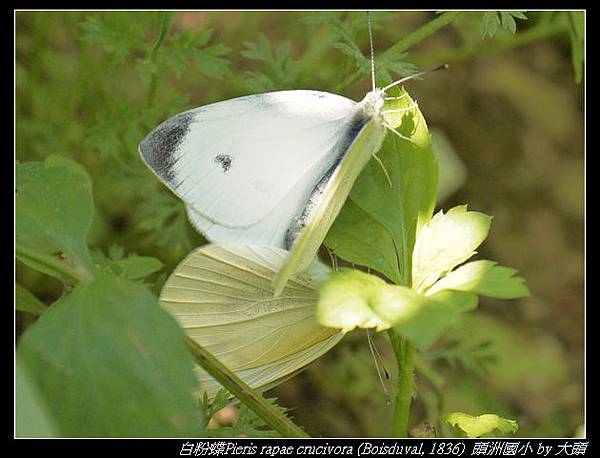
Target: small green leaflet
(445,242)
(485,278)
(492,20)
(487,425)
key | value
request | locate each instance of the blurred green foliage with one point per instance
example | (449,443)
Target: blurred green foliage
(90,86)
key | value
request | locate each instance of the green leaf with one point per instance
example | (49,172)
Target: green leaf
(347,298)
(351,298)
(485,278)
(445,242)
(116,33)
(477,358)
(422,319)
(489,23)
(32,418)
(27,302)
(576,35)
(131,267)
(109,362)
(363,240)
(397,210)
(54,214)
(491,20)
(482,425)
(248,424)
(508,22)
(136,267)
(278,71)
(211,61)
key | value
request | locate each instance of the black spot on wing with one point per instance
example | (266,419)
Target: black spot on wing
(159,148)
(224,160)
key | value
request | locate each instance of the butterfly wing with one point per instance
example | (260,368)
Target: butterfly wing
(222,296)
(327,201)
(250,161)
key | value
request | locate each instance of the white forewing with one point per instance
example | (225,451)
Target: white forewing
(271,230)
(235,162)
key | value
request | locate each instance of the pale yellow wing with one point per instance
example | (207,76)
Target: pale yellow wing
(222,296)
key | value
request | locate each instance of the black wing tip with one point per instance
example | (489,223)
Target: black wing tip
(159,149)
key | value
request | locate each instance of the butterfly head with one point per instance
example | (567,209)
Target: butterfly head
(373,102)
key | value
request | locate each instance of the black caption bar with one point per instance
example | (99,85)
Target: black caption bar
(315,447)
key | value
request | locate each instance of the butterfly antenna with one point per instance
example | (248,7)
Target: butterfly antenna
(372,50)
(379,361)
(416,75)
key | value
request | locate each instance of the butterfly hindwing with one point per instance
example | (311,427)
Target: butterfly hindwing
(222,296)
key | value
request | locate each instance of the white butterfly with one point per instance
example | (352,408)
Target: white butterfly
(269,169)
(263,177)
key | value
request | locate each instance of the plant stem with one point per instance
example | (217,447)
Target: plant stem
(243,392)
(402,45)
(164,29)
(538,32)
(420,34)
(405,358)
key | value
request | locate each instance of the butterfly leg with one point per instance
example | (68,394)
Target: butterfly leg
(399,134)
(412,106)
(396,98)
(387,175)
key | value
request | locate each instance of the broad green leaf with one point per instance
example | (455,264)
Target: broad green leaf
(223,297)
(32,418)
(482,425)
(54,214)
(364,241)
(397,210)
(445,242)
(27,302)
(109,362)
(485,278)
(351,298)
